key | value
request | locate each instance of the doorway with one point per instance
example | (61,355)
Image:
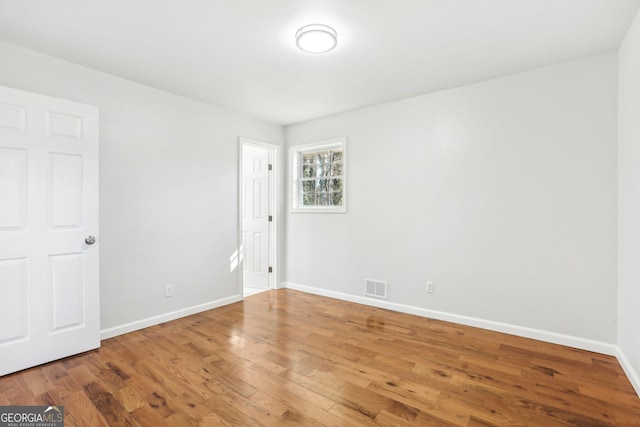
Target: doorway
(257,216)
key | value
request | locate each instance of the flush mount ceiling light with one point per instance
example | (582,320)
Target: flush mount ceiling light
(316,38)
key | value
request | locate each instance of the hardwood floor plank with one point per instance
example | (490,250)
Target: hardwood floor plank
(79,410)
(110,407)
(129,398)
(149,416)
(351,416)
(401,411)
(315,409)
(286,358)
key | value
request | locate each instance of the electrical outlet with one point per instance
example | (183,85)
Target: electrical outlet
(168,291)
(430,286)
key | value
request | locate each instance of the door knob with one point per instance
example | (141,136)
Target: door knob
(90,240)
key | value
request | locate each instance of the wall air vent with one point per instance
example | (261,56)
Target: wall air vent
(375,288)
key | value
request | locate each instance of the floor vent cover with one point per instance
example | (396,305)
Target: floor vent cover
(375,288)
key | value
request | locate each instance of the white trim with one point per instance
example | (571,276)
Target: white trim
(319,145)
(522,331)
(633,376)
(293,176)
(273,206)
(166,317)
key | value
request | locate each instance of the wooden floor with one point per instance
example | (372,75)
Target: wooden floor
(289,358)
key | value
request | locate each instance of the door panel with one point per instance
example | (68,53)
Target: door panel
(12,116)
(66,190)
(257,252)
(257,197)
(14,288)
(60,125)
(13,188)
(48,205)
(67,284)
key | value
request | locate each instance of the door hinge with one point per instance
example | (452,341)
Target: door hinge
(270,167)
(270,269)
(270,218)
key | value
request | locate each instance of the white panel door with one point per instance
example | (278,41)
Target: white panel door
(255,216)
(49,290)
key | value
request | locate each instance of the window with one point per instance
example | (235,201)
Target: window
(318,172)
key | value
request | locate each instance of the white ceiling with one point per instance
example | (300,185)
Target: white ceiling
(241,54)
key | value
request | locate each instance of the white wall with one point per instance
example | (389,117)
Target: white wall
(168,186)
(502,192)
(629,199)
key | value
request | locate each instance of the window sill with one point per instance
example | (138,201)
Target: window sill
(340,210)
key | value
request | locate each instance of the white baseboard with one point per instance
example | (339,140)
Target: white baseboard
(173,315)
(632,374)
(522,331)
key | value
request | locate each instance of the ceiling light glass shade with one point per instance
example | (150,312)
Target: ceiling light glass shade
(316,38)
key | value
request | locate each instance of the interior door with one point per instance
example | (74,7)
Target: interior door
(255,216)
(49,289)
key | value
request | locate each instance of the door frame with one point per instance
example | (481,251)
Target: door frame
(273,210)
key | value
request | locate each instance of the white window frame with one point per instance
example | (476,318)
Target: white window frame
(296,172)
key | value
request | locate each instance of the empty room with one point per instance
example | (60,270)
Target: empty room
(320,213)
